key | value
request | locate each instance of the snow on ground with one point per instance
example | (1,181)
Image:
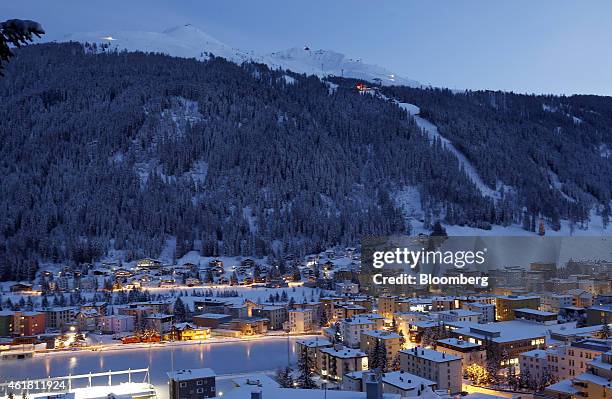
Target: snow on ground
(248,215)
(551,108)
(408,199)
(604,151)
(167,252)
(555,183)
(259,294)
(190,42)
(326,62)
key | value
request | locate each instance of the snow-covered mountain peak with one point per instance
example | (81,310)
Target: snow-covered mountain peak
(191,34)
(329,62)
(191,42)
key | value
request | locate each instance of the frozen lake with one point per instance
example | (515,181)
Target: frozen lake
(224,358)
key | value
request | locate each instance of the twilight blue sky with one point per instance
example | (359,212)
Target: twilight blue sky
(542,46)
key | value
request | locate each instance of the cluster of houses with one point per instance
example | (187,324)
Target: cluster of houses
(550,325)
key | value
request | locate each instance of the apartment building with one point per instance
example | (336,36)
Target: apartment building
(470,353)
(512,337)
(339,360)
(390,340)
(486,311)
(505,305)
(458,315)
(352,328)
(276,314)
(554,302)
(442,368)
(300,320)
(58,318)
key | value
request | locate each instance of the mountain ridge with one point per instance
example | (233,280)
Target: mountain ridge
(189,41)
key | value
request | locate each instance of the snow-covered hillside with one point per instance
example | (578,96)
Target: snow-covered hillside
(326,62)
(190,42)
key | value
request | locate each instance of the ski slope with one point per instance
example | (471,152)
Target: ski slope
(432,132)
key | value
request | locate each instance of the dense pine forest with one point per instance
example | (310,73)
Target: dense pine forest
(124,150)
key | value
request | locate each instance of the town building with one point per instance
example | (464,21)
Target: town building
(538,316)
(58,318)
(312,347)
(211,320)
(458,315)
(396,382)
(598,315)
(486,311)
(352,328)
(505,305)
(339,360)
(7,323)
(470,352)
(116,324)
(189,332)
(551,302)
(511,337)
(568,361)
(87,320)
(300,321)
(534,363)
(248,326)
(593,384)
(159,322)
(192,384)
(347,288)
(30,323)
(390,341)
(440,367)
(276,314)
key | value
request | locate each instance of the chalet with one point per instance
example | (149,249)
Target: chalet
(21,287)
(149,264)
(189,332)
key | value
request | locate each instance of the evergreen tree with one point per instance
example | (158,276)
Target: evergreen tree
(304,379)
(16,32)
(180,311)
(284,378)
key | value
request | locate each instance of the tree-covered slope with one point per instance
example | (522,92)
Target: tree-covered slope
(123,150)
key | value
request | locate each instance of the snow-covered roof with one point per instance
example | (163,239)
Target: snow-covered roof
(430,354)
(382,334)
(406,381)
(357,321)
(159,316)
(535,312)
(314,342)
(344,353)
(459,313)
(190,374)
(211,316)
(541,353)
(505,331)
(564,386)
(255,380)
(459,343)
(518,297)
